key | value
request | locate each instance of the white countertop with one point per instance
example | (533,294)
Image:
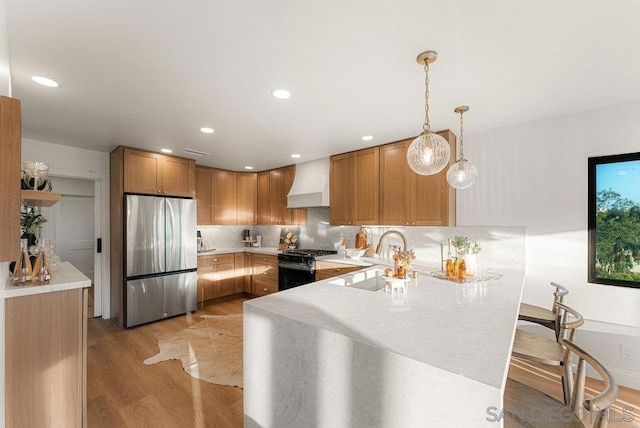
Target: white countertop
(466,329)
(256,250)
(65,278)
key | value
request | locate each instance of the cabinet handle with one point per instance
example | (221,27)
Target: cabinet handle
(215,260)
(266,289)
(265,273)
(337,270)
(414,223)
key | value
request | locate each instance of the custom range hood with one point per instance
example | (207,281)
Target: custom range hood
(311,185)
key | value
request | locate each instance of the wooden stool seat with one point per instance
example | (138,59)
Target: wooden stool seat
(543,316)
(525,406)
(537,349)
(538,315)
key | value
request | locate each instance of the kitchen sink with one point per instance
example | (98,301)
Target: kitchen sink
(367,279)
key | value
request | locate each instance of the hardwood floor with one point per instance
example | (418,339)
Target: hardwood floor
(123,392)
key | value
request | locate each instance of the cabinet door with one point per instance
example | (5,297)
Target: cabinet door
(276,195)
(264,214)
(203,194)
(178,176)
(432,199)
(142,172)
(395,184)
(340,194)
(295,216)
(10,143)
(246,198)
(224,197)
(206,283)
(226,277)
(240,273)
(366,182)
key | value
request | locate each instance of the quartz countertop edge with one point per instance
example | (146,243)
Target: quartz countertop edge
(68,277)
(256,250)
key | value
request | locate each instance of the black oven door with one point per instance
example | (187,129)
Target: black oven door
(294,274)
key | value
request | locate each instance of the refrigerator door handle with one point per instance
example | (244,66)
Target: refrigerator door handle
(170,236)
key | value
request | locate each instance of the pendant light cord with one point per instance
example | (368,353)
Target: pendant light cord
(426,127)
(461,137)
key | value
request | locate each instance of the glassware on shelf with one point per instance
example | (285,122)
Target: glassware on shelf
(22,272)
(52,257)
(41,269)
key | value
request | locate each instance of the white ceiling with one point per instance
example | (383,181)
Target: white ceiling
(150,73)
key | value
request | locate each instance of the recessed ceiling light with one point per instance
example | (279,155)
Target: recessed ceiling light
(248,167)
(206,130)
(166,150)
(281,94)
(295,156)
(367,138)
(45,81)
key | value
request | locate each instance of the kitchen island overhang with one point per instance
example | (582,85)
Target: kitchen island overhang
(328,355)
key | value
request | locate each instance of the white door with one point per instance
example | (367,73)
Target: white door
(75,243)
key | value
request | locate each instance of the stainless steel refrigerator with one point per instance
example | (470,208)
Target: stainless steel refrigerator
(160,260)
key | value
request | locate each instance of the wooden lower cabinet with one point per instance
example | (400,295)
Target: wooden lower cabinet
(264,274)
(325,270)
(216,276)
(46,359)
(242,273)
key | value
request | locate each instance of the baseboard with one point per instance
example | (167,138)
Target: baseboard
(626,378)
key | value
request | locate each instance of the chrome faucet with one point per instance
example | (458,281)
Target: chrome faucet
(388,232)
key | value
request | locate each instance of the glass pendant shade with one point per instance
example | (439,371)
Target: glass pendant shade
(462,174)
(428,154)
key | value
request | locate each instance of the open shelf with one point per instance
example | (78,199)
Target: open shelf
(34,198)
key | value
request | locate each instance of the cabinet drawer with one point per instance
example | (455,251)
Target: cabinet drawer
(266,272)
(326,270)
(264,259)
(262,287)
(215,259)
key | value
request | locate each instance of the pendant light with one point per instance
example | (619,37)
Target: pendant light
(463,173)
(429,153)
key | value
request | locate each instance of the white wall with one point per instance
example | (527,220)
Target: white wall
(535,175)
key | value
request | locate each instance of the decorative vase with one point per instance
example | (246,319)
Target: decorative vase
(470,260)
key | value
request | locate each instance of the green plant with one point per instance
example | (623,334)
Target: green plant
(464,246)
(30,220)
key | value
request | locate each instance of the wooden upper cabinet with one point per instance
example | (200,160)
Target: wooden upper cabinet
(276,196)
(224,197)
(341,189)
(178,176)
(264,214)
(203,195)
(355,187)
(366,182)
(433,201)
(156,174)
(10,153)
(410,199)
(395,184)
(246,198)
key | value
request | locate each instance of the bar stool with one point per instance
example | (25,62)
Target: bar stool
(525,406)
(533,348)
(543,316)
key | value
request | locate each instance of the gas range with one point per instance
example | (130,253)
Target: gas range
(298,267)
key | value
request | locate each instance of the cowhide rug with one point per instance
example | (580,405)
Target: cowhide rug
(210,350)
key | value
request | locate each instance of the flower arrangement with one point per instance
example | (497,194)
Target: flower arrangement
(402,261)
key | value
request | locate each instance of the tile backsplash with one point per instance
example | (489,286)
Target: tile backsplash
(501,246)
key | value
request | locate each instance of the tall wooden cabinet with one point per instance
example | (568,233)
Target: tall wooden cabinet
(410,199)
(355,183)
(224,197)
(10,152)
(139,171)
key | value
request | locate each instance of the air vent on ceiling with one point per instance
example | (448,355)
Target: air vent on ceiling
(195,152)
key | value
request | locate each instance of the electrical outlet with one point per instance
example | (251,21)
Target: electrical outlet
(626,351)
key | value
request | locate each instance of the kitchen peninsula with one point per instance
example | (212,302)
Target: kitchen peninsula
(331,354)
